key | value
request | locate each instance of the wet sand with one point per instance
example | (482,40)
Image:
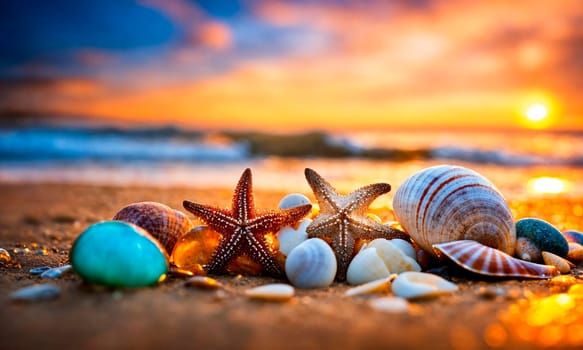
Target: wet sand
(38,224)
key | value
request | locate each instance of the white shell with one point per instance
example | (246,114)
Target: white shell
(377,286)
(405,247)
(36,292)
(563,265)
(293,200)
(290,237)
(412,285)
(366,266)
(312,264)
(448,203)
(273,292)
(390,304)
(203,282)
(377,259)
(56,272)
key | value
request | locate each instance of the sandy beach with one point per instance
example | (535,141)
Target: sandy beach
(39,222)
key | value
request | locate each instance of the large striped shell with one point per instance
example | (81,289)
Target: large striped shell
(449,203)
(167,225)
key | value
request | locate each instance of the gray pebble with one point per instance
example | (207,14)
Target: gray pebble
(36,292)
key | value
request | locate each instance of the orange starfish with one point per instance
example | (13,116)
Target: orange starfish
(243,230)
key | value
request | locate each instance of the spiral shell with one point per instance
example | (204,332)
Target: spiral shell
(162,222)
(448,203)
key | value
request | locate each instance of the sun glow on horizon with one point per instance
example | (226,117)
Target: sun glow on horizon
(536,112)
(547,185)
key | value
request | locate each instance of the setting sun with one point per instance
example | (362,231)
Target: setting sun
(536,112)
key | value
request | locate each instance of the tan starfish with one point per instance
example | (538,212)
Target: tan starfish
(243,230)
(343,219)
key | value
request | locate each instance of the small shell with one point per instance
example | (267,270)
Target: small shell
(377,259)
(36,292)
(165,224)
(573,236)
(4,256)
(312,264)
(405,247)
(271,292)
(563,265)
(290,237)
(378,286)
(56,272)
(484,260)
(38,270)
(293,200)
(366,266)
(412,285)
(390,304)
(575,252)
(535,236)
(448,203)
(203,282)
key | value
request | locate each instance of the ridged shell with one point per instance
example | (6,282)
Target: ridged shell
(165,224)
(484,260)
(312,264)
(448,203)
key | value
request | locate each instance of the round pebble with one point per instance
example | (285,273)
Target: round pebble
(543,236)
(36,292)
(118,254)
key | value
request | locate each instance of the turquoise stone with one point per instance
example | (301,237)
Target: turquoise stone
(118,254)
(542,235)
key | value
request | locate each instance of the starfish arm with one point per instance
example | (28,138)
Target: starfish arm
(367,229)
(325,194)
(274,220)
(229,247)
(360,200)
(259,252)
(243,203)
(323,226)
(218,219)
(343,245)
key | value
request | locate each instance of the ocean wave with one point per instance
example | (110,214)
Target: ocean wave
(172,144)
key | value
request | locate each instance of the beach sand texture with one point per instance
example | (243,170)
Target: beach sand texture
(50,217)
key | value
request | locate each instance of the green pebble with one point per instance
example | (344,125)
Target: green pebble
(118,254)
(543,235)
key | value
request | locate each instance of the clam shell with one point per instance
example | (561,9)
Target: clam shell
(405,247)
(290,237)
(378,286)
(271,292)
(165,224)
(395,259)
(293,200)
(413,285)
(449,203)
(563,265)
(312,264)
(484,260)
(366,266)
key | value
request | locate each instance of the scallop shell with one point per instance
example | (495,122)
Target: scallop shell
(165,224)
(448,203)
(484,260)
(312,264)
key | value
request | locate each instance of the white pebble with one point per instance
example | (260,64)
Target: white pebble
(271,292)
(390,304)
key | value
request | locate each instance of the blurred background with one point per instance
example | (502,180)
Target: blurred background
(181,92)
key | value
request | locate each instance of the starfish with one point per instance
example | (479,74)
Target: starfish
(343,218)
(243,230)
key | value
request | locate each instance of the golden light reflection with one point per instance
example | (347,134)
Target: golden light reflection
(547,185)
(537,112)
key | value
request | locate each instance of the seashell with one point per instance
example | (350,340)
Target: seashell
(533,236)
(413,285)
(36,292)
(271,292)
(38,270)
(573,236)
(56,272)
(448,203)
(484,260)
(4,256)
(405,247)
(377,286)
(377,259)
(289,237)
(203,282)
(312,264)
(563,265)
(390,304)
(167,225)
(118,254)
(575,252)
(293,200)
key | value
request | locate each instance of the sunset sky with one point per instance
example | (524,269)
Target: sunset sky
(296,65)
